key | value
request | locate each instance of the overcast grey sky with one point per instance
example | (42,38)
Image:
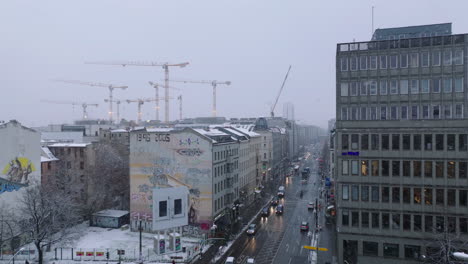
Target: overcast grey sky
(250,43)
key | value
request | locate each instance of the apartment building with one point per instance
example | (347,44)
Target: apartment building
(401,144)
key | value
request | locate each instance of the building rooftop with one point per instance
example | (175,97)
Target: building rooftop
(111,213)
(47,155)
(69,145)
(443,29)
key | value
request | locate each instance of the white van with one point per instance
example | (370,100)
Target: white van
(230,260)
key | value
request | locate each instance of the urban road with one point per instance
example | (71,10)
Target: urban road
(279,239)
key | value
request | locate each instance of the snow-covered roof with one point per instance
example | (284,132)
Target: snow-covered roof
(120,130)
(159,129)
(235,132)
(111,213)
(210,132)
(69,145)
(47,155)
(247,131)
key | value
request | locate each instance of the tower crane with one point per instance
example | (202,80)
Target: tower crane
(156,87)
(140,102)
(117,102)
(213,83)
(110,86)
(272,112)
(82,104)
(180,106)
(164,65)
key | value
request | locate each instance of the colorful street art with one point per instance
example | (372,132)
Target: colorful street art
(15,174)
(190,152)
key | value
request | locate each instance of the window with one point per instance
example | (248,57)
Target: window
(463,225)
(424,59)
(353,113)
(355,192)
(447,57)
(385,167)
(425,83)
(395,194)
(345,218)
(393,86)
(395,168)
(440,197)
(375,193)
(373,87)
(416,168)
(413,60)
(390,250)
(416,142)
(451,142)
(162,208)
(363,62)
(354,63)
(428,142)
(436,84)
(417,195)
(364,168)
(439,169)
(450,169)
(462,142)
(458,57)
(370,248)
(375,141)
(385,194)
(458,84)
(395,142)
(428,223)
(364,85)
(344,113)
(451,197)
(355,219)
(404,60)
(404,112)
(385,221)
(428,196)
(414,112)
(412,252)
(364,220)
(406,195)
(447,85)
(417,223)
(383,61)
(364,193)
(383,113)
(440,223)
(81,165)
(393,61)
(414,86)
(458,110)
(354,88)
(425,111)
(462,199)
(385,142)
(375,220)
(406,141)
(428,169)
(406,222)
(344,141)
(344,89)
(383,87)
(373,113)
(403,86)
(354,141)
(436,58)
(345,193)
(439,141)
(177,206)
(372,62)
(344,64)
(406,168)
(354,167)
(365,142)
(462,166)
(345,167)
(436,112)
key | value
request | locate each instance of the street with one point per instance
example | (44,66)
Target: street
(279,239)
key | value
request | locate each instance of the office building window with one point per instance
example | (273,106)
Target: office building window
(414,112)
(375,167)
(458,110)
(383,113)
(363,62)
(429,223)
(414,86)
(417,223)
(425,111)
(373,87)
(406,222)
(439,169)
(406,141)
(364,220)
(440,197)
(344,113)
(385,167)
(436,85)
(462,199)
(447,57)
(375,220)
(451,142)
(404,60)
(354,115)
(414,59)
(345,218)
(373,113)
(458,57)
(393,61)
(436,58)
(406,195)
(417,196)
(436,112)
(364,85)
(354,167)
(462,142)
(424,59)
(439,141)
(354,88)
(354,141)
(416,168)
(463,225)
(344,64)
(412,252)
(458,84)
(425,86)
(355,219)
(345,167)
(403,86)
(162,208)
(370,248)
(365,142)
(428,196)
(447,85)
(395,194)
(373,62)
(395,168)
(404,112)
(448,111)
(440,223)
(406,168)
(375,141)
(364,168)
(428,169)
(395,141)
(451,197)
(390,250)
(383,61)
(462,169)
(427,142)
(393,86)
(344,141)
(394,112)
(385,221)
(417,142)
(365,193)
(353,63)
(345,193)
(375,193)
(385,142)
(450,169)
(383,87)
(385,194)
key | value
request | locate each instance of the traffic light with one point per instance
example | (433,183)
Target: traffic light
(107,255)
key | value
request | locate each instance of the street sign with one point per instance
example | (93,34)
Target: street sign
(316,248)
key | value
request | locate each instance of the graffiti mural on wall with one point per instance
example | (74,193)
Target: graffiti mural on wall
(189,141)
(16,174)
(190,152)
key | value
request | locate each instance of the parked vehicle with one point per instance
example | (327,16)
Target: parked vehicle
(310,205)
(279,209)
(252,230)
(250,261)
(230,260)
(304,226)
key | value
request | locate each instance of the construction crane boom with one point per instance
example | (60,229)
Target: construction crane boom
(213,83)
(164,65)
(117,102)
(279,93)
(140,102)
(111,88)
(180,106)
(82,104)
(156,87)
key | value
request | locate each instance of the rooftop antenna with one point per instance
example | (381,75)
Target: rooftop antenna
(372,33)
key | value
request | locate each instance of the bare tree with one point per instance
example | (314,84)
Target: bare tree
(46,217)
(7,226)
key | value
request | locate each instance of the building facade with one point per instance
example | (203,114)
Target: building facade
(401,146)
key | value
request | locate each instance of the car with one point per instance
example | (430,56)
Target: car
(304,226)
(274,202)
(310,205)
(280,194)
(265,212)
(250,261)
(252,229)
(279,209)
(230,260)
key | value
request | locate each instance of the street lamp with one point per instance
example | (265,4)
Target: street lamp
(13,258)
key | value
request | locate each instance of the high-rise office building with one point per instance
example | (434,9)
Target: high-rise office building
(401,145)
